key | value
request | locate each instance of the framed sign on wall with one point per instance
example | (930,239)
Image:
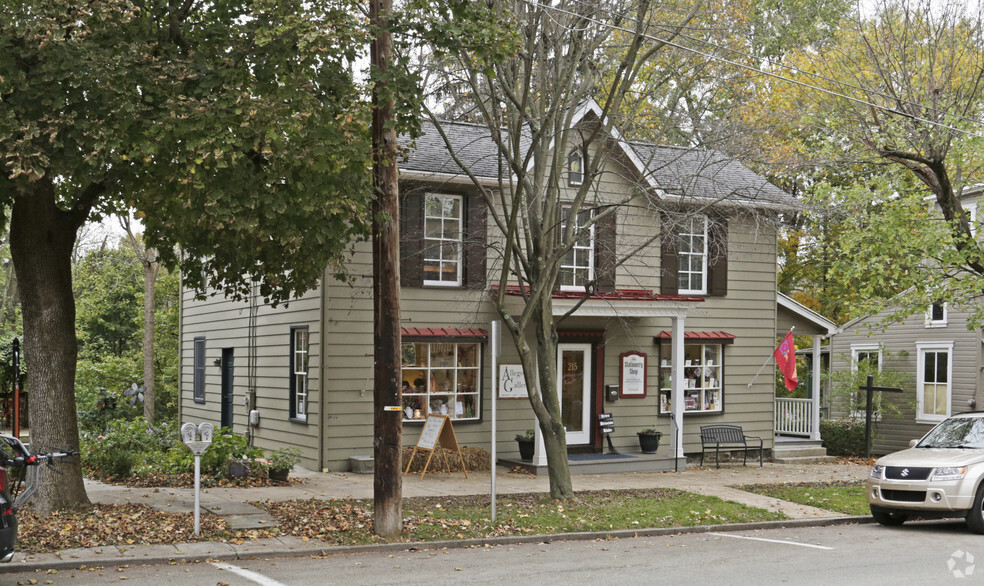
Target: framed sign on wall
(632,375)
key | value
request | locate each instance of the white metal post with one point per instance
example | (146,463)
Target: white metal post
(676,393)
(495,395)
(817,376)
(198,492)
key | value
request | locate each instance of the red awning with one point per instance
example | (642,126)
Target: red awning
(444,333)
(719,337)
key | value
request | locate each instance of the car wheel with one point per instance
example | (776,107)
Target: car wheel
(975,518)
(888,517)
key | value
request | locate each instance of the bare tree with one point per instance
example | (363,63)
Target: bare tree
(574,72)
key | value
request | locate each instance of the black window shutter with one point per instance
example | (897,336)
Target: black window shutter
(412,239)
(669,269)
(717,256)
(605,258)
(198,374)
(475,241)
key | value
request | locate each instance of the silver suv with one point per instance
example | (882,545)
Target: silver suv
(939,477)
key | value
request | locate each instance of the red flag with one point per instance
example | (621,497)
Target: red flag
(786,361)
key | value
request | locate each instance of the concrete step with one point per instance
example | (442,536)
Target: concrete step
(805,460)
(798,452)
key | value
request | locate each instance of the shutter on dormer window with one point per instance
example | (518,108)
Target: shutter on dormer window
(668,267)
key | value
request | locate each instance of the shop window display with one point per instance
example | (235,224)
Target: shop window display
(703,371)
(441,378)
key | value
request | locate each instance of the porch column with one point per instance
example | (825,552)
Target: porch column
(676,388)
(815,390)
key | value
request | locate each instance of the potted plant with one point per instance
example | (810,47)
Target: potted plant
(282,461)
(649,440)
(525,441)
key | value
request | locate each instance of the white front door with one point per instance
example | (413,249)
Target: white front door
(574,382)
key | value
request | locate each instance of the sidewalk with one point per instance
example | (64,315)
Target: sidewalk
(231,504)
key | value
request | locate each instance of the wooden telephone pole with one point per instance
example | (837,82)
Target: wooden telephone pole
(387,413)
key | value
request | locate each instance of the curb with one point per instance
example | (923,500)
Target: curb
(248,552)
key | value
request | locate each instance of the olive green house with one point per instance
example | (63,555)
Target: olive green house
(672,335)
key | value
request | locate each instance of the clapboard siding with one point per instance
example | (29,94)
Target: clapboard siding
(893,432)
(340,317)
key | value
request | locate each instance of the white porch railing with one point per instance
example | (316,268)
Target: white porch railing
(794,416)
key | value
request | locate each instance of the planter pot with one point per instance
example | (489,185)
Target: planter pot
(649,443)
(525,450)
(279,474)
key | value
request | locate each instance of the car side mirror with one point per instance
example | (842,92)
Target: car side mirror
(912,443)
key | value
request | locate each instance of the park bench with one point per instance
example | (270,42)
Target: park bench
(729,437)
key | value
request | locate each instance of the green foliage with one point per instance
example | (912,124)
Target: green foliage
(526,436)
(225,447)
(125,445)
(843,437)
(284,458)
(847,398)
(109,295)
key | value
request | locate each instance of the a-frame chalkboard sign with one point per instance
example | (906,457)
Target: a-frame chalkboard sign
(437,430)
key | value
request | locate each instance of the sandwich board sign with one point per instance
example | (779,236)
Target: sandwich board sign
(437,430)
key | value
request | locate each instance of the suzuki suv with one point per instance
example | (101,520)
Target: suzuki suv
(940,476)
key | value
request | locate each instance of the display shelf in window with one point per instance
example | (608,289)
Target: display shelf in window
(703,371)
(441,378)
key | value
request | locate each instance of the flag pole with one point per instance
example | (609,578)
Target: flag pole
(761,368)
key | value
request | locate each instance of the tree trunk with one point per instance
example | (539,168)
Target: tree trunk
(41,241)
(150,280)
(388,416)
(551,426)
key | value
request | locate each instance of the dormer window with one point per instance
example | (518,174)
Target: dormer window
(936,315)
(575,168)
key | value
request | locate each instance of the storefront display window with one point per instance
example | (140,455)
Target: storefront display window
(703,371)
(442,378)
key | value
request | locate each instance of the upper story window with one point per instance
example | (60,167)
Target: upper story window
(443,234)
(575,168)
(577,269)
(442,239)
(692,256)
(936,315)
(299,360)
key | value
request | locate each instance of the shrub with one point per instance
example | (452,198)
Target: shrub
(843,437)
(226,446)
(124,445)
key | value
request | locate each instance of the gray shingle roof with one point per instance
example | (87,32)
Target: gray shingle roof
(682,172)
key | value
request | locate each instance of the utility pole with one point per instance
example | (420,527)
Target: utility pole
(387,399)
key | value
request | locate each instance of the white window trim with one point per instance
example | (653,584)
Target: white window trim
(930,323)
(921,349)
(460,239)
(299,397)
(703,268)
(577,155)
(590,251)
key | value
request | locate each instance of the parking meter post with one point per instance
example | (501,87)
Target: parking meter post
(197,438)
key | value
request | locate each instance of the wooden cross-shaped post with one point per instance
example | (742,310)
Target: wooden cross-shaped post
(870,389)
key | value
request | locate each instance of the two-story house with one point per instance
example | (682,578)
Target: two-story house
(301,374)
(944,361)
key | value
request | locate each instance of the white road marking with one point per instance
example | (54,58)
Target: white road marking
(248,574)
(771,540)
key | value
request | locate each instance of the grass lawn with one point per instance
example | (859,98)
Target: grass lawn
(840,497)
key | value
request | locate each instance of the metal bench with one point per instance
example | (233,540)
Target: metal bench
(729,437)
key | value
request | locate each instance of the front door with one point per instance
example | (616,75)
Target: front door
(226,396)
(574,380)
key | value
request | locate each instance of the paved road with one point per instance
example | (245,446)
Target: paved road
(918,553)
